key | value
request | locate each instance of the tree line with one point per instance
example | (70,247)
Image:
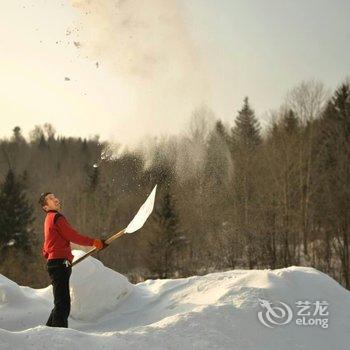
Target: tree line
(229,195)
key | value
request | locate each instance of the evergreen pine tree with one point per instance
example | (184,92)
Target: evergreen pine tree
(168,241)
(246,133)
(333,163)
(15,214)
(217,158)
(245,140)
(290,122)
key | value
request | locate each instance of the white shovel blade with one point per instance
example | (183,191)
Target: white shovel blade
(143,213)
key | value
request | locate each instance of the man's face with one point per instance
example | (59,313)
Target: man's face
(52,203)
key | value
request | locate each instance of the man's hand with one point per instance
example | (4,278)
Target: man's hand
(100,244)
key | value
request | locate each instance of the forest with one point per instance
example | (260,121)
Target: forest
(230,195)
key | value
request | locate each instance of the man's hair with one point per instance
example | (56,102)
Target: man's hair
(42,198)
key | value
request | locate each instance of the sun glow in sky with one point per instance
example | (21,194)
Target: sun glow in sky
(141,67)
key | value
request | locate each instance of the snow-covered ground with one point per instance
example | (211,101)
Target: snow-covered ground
(215,311)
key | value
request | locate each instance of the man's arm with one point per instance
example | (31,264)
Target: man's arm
(71,235)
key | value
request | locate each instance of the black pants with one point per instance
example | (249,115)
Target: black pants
(59,273)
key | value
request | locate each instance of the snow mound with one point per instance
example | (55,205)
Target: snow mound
(21,307)
(10,291)
(215,311)
(95,289)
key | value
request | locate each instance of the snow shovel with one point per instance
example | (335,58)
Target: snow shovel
(135,224)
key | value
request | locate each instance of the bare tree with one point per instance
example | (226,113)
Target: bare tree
(307,101)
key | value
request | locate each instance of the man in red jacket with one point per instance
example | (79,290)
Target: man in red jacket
(57,251)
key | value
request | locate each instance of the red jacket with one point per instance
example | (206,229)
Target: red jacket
(58,235)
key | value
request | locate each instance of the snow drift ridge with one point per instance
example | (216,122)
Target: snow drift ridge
(218,310)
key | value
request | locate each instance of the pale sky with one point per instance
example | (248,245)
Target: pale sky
(159,60)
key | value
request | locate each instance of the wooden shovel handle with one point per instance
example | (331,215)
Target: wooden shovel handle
(109,240)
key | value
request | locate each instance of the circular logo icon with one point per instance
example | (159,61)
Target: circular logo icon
(274,314)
